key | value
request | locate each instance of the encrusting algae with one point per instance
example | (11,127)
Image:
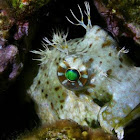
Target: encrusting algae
(86,80)
(66,130)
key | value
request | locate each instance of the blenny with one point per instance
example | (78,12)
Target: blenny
(86,80)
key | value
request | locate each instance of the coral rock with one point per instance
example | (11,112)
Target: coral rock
(10,65)
(66,130)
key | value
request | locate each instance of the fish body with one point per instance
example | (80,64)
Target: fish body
(87,80)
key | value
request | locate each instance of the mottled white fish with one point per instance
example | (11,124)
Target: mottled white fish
(78,75)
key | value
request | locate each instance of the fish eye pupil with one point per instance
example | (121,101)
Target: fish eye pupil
(72,75)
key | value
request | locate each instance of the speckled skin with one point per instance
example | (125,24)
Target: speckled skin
(112,80)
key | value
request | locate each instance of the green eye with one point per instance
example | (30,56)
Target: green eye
(71,78)
(72,75)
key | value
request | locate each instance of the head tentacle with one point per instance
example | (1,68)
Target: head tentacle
(81,22)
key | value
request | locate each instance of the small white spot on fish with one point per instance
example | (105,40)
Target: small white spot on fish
(84,76)
(80,84)
(73,83)
(82,68)
(63,65)
(60,74)
(65,81)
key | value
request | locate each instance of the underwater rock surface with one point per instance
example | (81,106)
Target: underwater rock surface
(15,37)
(10,65)
(122,17)
(66,130)
(123,21)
